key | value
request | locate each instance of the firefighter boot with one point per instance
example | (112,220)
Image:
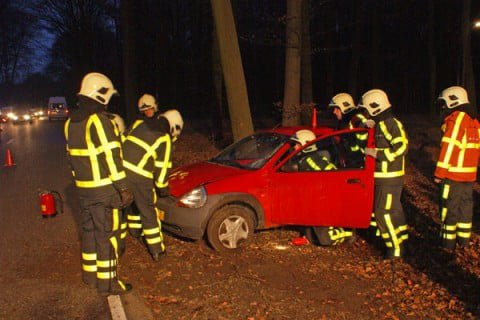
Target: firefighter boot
(158,255)
(117,288)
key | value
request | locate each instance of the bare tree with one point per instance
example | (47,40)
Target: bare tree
(238,105)
(468,77)
(291,99)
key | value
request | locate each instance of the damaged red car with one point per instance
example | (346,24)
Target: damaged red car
(254,184)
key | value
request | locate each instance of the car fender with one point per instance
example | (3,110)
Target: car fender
(245,199)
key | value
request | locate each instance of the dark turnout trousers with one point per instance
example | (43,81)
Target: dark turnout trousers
(148,219)
(390,218)
(100,235)
(456,210)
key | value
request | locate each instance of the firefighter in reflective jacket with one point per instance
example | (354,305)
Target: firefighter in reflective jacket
(391,147)
(95,154)
(148,108)
(456,169)
(319,160)
(147,157)
(351,117)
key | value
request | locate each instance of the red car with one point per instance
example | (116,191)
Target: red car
(255,184)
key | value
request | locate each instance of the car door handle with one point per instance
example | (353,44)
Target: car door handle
(353,180)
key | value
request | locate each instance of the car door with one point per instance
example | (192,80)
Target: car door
(342,196)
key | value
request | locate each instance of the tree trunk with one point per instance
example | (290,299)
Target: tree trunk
(129,60)
(356,49)
(291,98)
(306,60)
(236,88)
(375,55)
(468,77)
(217,110)
(432,59)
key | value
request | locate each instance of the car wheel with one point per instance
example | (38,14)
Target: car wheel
(230,228)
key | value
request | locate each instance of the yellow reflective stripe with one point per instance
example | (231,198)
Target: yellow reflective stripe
(390,156)
(473,145)
(65,129)
(135,225)
(106,263)
(462,170)
(461,154)
(446,191)
(464,234)
(108,146)
(153,240)
(113,241)
(89,256)
(384,166)
(388,202)
(116,219)
(443,214)
(151,231)
(140,171)
(393,234)
(456,129)
(162,177)
(464,225)
(385,132)
(449,236)
(450,227)
(89,268)
(312,164)
(133,217)
(92,153)
(106,275)
(452,141)
(389,174)
(93,184)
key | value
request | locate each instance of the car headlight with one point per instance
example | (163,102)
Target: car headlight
(196,198)
(14,117)
(26,117)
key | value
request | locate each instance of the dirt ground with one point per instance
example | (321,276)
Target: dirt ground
(270,279)
(273,279)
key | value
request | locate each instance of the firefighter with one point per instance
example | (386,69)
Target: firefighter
(456,170)
(147,157)
(175,122)
(313,159)
(347,114)
(391,145)
(95,154)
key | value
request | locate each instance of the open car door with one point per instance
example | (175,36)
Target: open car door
(306,194)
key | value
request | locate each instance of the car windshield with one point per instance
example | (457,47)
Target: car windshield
(251,152)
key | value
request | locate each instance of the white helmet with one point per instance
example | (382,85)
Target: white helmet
(146,102)
(303,137)
(375,101)
(175,120)
(344,102)
(119,123)
(453,97)
(97,87)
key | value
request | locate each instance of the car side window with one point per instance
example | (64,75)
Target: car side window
(344,151)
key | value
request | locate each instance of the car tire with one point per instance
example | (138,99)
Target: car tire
(230,228)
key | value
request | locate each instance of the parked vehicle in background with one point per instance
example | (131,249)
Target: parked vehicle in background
(57,108)
(21,116)
(36,113)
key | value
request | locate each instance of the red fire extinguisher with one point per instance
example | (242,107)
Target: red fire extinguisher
(48,205)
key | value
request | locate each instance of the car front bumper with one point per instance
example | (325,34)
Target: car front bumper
(185,222)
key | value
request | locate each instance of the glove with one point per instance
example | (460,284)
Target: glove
(370,123)
(126,196)
(371,152)
(163,192)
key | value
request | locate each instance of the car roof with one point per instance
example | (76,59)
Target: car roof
(290,131)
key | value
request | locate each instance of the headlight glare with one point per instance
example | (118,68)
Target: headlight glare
(195,198)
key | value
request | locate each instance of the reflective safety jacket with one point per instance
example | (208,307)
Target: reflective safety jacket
(392,145)
(94,150)
(316,162)
(147,154)
(459,149)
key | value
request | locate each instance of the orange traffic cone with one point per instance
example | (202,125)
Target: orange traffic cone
(9,159)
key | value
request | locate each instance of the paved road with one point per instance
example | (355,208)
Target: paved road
(39,258)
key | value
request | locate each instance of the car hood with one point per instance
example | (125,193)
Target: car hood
(188,177)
